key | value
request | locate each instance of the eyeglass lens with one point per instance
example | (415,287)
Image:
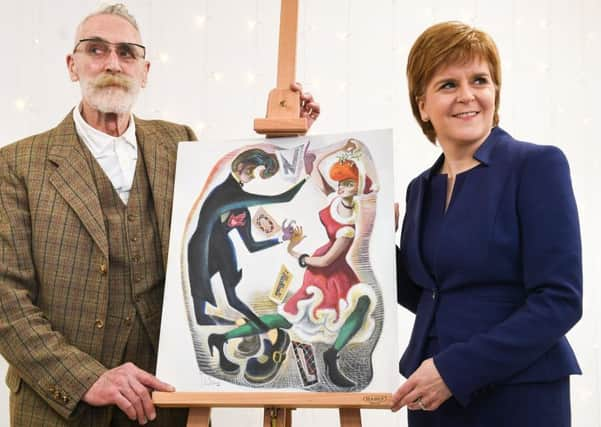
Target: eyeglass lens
(101,49)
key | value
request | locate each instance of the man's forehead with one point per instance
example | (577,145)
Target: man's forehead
(109,27)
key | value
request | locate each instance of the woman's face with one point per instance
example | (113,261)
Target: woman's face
(347,188)
(460,103)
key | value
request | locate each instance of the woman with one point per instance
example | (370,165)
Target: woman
(490,257)
(314,309)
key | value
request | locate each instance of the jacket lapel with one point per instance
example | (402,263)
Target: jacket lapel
(159,158)
(73,180)
(416,266)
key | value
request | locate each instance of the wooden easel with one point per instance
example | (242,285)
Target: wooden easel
(278,406)
(283,119)
(283,106)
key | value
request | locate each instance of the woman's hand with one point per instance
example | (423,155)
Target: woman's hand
(296,238)
(351,145)
(424,390)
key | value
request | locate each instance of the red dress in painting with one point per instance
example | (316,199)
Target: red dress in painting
(335,280)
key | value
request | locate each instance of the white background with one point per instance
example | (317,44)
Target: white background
(213,62)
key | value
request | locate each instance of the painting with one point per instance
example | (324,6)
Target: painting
(281,270)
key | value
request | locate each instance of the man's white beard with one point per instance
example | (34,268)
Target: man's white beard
(110,99)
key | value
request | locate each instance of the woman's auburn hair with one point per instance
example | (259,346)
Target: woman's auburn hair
(444,44)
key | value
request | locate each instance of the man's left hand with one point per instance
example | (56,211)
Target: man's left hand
(308,107)
(424,390)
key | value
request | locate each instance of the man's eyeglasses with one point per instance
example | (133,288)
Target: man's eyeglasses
(97,48)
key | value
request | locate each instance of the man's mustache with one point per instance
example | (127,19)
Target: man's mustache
(111,80)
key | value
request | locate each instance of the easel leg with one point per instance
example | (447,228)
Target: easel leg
(199,417)
(277,417)
(350,417)
(288,417)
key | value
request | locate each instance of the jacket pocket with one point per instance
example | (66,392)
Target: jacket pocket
(13,380)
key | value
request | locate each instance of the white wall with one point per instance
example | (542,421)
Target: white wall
(213,62)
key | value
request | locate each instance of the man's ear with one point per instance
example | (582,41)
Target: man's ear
(145,75)
(72,68)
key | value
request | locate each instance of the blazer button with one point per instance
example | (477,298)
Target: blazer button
(128,320)
(103,268)
(131,217)
(433,294)
(99,324)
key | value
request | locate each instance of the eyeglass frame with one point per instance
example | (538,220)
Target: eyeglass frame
(99,39)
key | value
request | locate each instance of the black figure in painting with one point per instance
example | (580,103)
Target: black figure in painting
(210,249)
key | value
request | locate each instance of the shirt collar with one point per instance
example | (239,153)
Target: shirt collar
(482,154)
(98,142)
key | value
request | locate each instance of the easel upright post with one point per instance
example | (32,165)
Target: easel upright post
(283,106)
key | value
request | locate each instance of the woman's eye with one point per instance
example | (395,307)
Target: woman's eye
(481,80)
(447,85)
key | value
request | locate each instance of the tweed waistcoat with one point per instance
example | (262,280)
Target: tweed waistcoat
(136,274)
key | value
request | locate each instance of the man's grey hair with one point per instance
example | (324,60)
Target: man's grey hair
(118,9)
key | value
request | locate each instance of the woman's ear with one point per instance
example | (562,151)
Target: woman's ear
(421,104)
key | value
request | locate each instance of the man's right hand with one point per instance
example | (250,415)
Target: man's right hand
(128,387)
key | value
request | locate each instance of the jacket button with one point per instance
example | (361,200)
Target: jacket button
(103,268)
(99,324)
(131,217)
(128,320)
(433,294)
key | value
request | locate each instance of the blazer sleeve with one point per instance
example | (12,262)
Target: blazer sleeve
(552,277)
(59,372)
(408,293)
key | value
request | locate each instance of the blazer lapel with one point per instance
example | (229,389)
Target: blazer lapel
(159,158)
(73,180)
(414,254)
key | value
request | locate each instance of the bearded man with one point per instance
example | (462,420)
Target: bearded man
(85,211)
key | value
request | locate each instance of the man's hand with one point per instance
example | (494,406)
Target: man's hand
(424,390)
(309,108)
(128,387)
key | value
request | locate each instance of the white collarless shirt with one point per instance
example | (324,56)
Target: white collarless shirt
(116,155)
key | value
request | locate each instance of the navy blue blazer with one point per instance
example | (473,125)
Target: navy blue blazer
(510,284)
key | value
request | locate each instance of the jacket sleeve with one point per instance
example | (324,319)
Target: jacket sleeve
(408,293)
(552,277)
(56,370)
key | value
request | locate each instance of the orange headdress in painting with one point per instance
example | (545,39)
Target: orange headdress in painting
(343,170)
(347,169)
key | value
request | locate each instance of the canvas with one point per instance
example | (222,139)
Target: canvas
(281,270)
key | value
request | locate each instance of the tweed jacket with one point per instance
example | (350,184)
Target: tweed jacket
(54,256)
